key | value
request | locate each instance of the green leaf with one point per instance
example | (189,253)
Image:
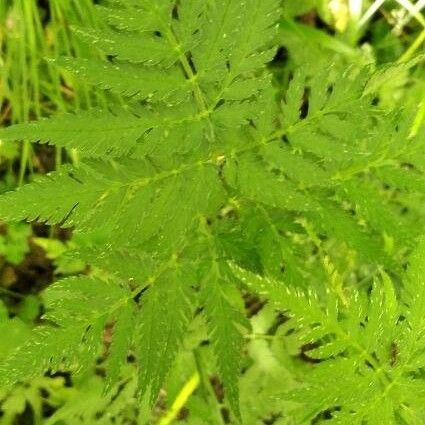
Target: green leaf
(122,337)
(252,181)
(71,335)
(225,323)
(94,133)
(162,323)
(318,181)
(364,343)
(141,83)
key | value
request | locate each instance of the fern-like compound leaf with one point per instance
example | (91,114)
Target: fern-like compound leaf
(202,135)
(130,80)
(95,133)
(372,346)
(225,324)
(71,333)
(162,323)
(121,343)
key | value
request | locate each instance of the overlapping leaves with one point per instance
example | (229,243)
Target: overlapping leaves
(368,348)
(204,152)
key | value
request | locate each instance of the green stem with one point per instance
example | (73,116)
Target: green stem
(11,293)
(413,47)
(25,155)
(181,399)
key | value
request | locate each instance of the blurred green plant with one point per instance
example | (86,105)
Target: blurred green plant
(31,86)
(14,242)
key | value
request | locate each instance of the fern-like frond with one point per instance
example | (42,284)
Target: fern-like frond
(162,323)
(411,344)
(95,133)
(71,334)
(139,83)
(281,194)
(222,310)
(225,325)
(202,134)
(148,204)
(124,320)
(372,346)
(149,50)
